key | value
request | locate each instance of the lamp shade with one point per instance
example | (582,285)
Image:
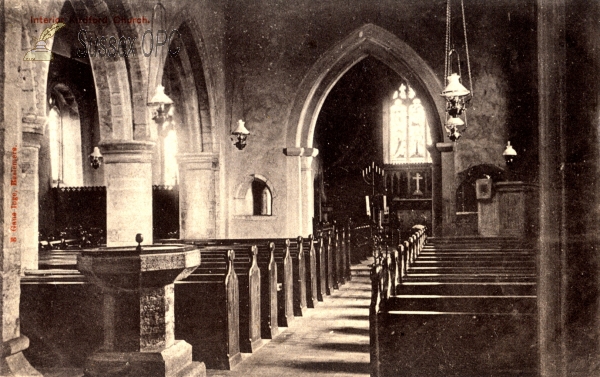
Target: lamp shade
(455,88)
(455,121)
(95,158)
(160,98)
(96,153)
(509,151)
(241,129)
(509,154)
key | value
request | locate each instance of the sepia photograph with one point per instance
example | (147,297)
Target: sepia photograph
(271,188)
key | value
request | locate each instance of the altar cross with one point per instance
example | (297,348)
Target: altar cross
(418,178)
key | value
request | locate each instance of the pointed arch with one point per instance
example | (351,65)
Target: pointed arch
(368,40)
(198,69)
(374,41)
(137,68)
(111,78)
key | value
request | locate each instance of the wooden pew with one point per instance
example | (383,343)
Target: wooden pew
(331,282)
(299,274)
(361,243)
(289,257)
(207,316)
(269,286)
(450,323)
(311,272)
(249,279)
(321,259)
(451,335)
(59,314)
(348,249)
(284,270)
(340,257)
(269,307)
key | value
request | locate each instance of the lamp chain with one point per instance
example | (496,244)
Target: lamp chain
(462,4)
(447,52)
(164,10)
(447,59)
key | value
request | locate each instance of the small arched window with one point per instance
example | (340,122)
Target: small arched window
(262,200)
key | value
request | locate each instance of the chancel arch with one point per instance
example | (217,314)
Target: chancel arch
(367,41)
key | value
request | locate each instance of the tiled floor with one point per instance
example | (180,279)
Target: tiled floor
(331,340)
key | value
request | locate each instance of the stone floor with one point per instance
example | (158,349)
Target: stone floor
(330,340)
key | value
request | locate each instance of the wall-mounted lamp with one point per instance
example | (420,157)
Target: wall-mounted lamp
(162,104)
(509,154)
(96,158)
(240,134)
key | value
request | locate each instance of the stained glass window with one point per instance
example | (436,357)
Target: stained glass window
(408,128)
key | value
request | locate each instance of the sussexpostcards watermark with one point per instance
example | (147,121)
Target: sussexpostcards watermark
(92,44)
(40,52)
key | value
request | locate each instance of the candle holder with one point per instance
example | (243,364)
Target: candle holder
(373,177)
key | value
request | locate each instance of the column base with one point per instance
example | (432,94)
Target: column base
(13,362)
(175,361)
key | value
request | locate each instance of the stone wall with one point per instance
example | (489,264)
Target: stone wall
(273,44)
(255,56)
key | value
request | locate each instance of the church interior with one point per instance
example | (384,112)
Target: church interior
(169,157)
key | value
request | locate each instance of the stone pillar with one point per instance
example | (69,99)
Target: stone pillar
(569,176)
(308,191)
(551,268)
(12,360)
(448,189)
(28,196)
(128,176)
(294,192)
(197,204)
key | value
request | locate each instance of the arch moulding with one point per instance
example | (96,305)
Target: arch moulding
(368,40)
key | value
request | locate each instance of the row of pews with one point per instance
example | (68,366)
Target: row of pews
(453,307)
(243,292)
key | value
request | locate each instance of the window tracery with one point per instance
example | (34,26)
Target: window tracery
(408,129)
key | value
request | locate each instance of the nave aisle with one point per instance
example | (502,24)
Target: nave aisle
(331,340)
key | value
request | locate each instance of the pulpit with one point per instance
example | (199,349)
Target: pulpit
(138,309)
(507,209)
